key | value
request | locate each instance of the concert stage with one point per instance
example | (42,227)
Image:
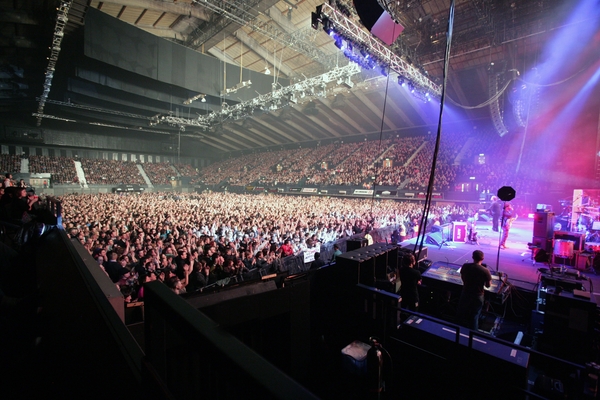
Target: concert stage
(526,297)
(515,261)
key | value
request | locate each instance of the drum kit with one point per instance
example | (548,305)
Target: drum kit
(582,223)
(584,218)
(564,248)
(565,251)
(587,217)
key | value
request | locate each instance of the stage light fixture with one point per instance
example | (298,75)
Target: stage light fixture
(316,86)
(372,48)
(314,20)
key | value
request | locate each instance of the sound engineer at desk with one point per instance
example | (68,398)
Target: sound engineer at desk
(474,277)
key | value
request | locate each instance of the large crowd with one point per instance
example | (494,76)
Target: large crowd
(191,241)
(392,162)
(10,163)
(62,169)
(159,173)
(111,172)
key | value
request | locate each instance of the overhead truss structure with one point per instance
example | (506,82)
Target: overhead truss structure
(274,100)
(59,32)
(340,24)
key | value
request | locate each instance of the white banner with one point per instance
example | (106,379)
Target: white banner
(309,255)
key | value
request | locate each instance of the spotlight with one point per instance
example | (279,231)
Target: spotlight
(314,20)
(327,25)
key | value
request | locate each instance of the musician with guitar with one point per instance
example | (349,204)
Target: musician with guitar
(508,217)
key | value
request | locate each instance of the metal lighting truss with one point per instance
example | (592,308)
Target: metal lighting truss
(268,101)
(181,122)
(61,21)
(236,11)
(359,37)
(97,109)
(47,116)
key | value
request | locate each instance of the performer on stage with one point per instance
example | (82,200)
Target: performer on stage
(496,212)
(474,276)
(508,217)
(472,228)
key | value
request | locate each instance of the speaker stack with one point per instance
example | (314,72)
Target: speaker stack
(369,264)
(543,230)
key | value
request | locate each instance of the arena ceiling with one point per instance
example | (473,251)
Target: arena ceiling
(277,36)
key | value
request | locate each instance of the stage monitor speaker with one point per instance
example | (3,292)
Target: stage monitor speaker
(445,230)
(378,21)
(543,224)
(584,261)
(543,243)
(435,238)
(541,256)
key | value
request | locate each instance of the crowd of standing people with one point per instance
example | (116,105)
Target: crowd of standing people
(194,240)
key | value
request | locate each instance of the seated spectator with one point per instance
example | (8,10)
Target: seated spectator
(318,262)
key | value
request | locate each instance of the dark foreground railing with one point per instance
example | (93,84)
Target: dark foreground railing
(194,358)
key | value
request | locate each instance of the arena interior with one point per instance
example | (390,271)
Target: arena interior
(282,199)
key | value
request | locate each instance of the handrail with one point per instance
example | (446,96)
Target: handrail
(213,351)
